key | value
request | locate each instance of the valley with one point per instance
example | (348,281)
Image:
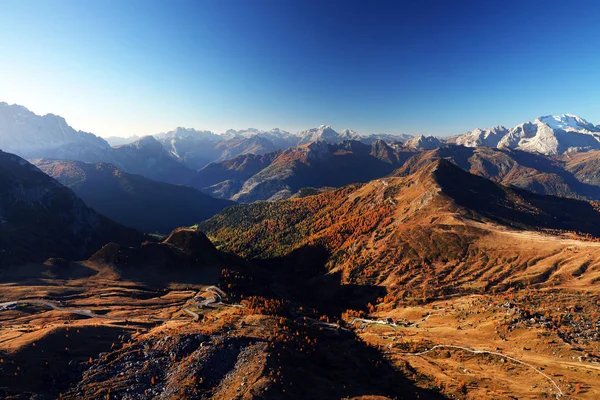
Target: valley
(533,342)
(405,286)
(320,200)
(317,264)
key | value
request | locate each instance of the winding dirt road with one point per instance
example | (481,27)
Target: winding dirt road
(475,351)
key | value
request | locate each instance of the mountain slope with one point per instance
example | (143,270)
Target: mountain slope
(434,225)
(133,200)
(530,171)
(183,248)
(149,158)
(585,166)
(428,285)
(513,206)
(317,164)
(237,169)
(40,218)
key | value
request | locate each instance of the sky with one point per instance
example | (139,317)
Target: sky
(125,67)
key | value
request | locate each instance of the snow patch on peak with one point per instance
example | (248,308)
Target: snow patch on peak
(424,142)
(349,134)
(567,122)
(482,137)
(549,134)
(32,136)
(325,132)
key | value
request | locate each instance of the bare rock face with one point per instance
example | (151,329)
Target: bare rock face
(423,142)
(483,137)
(29,135)
(549,135)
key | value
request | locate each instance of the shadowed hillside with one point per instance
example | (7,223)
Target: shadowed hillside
(430,226)
(133,200)
(40,218)
(530,171)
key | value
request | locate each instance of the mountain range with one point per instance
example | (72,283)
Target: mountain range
(40,218)
(282,174)
(552,155)
(422,269)
(430,225)
(568,176)
(133,200)
(29,135)
(549,135)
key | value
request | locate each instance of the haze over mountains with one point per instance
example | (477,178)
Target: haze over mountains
(545,156)
(40,218)
(133,200)
(552,155)
(32,136)
(29,135)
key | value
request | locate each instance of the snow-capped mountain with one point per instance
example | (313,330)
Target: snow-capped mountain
(34,136)
(569,123)
(549,135)
(29,135)
(325,132)
(483,137)
(250,132)
(423,142)
(277,138)
(197,151)
(181,132)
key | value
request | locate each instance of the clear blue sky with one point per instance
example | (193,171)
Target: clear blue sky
(121,67)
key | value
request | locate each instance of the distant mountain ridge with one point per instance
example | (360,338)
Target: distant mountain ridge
(175,156)
(40,218)
(548,135)
(572,175)
(29,135)
(197,151)
(133,200)
(32,136)
(149,158)
(282,174)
